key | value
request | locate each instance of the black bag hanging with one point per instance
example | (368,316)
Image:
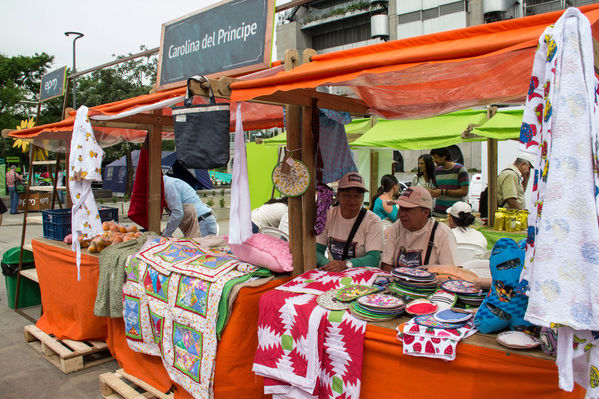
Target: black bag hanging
(202,131)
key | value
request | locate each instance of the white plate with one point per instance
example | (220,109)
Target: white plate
(517,340)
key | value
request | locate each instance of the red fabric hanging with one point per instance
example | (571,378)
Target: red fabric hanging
(138,208)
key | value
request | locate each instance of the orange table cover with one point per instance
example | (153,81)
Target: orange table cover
(68,304)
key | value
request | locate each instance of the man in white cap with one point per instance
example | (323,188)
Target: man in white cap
(512,182)
(352,234)
(416,239)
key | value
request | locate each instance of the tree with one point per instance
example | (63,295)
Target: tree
(20,78)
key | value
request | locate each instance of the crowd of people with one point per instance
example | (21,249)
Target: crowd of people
(400,228)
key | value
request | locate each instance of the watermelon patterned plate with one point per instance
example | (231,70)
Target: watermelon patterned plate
(428,320)
(354,291)
(382,301)
(460,287)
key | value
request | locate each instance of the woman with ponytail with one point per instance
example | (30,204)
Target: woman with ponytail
(387,191)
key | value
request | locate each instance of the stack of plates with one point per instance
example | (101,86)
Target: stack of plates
(468,293)
(377,307)
(429,320)
(354,291)
(413,283)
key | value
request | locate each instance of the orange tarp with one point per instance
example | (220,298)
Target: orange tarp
(68,304)
(426,75)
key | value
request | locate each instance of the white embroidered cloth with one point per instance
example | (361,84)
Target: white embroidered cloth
(85,163)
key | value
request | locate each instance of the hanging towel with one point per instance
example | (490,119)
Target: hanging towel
(85,162)
(562,255)
(240,217)
(336,156)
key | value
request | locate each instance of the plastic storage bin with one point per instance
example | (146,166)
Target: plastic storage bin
(57,222)
(29,294)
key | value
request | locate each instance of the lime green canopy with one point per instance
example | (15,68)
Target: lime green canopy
(419,134)
(504,125)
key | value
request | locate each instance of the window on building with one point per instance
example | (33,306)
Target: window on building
(342,32)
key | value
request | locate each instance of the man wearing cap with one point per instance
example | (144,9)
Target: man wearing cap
(416,239)
(364,246)
(512,182)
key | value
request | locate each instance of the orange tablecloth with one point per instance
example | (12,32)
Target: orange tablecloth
(68,304)
(476,372)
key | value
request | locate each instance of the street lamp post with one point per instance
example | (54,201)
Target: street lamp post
(77,36)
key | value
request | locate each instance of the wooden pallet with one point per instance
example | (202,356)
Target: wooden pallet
(66,354)
(120,385)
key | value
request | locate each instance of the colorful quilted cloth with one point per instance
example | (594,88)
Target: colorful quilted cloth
(187,257)
(304,350)
(335,152)
(318,281)
(173,315)
(436,343)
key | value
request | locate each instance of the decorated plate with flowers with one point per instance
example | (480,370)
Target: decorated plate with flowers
(294,183)
(460,287)
(354,291)
(329,301)
(413,272)
(383,301)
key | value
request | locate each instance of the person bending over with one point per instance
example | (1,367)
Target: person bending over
(352,234)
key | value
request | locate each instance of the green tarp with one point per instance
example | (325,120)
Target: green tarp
(504,125)
(420,134)
(261,160)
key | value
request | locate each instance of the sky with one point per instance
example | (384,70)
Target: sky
(110,27)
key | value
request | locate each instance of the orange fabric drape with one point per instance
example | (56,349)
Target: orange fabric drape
(68,304)
(476,372)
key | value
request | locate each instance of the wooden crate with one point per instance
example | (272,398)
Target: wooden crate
(66,354)
(120,385)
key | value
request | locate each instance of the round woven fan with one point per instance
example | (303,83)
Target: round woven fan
(294,183)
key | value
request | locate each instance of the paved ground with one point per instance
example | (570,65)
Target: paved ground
(23,373)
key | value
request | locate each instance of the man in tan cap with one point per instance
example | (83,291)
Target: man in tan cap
(416,239)
(512,182)
(352,234)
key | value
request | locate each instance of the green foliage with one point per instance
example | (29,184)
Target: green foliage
(210,202)
(222,202)
(100,200)
(213,193)
(222,192)
(114,199)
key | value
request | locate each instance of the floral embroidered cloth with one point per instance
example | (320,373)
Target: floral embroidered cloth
(304,350)
(437,343)
(174,315)
(85,161)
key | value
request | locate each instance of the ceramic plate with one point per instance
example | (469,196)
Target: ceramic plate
(517,340)
(413,272)
(329,301)
(420,307)
(451,316)
(382,301)
(354,291)
(460,287)
(428,320)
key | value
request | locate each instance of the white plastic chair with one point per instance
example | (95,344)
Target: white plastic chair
(466,252)
(274,232)
(479,266)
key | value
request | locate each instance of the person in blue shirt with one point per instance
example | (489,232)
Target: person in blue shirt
(387,191)
(178,194)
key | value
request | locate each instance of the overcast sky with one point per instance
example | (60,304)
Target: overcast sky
(110,27)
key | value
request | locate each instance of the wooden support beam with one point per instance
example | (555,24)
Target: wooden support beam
(374,174)
(304,98)
(309,202)
(138,121)
(294,142)
(155,177)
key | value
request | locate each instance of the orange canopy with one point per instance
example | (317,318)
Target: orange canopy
(255,116)
(426,75)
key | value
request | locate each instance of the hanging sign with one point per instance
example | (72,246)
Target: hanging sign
(53,84)
(229,38)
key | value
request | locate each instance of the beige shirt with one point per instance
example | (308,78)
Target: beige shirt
(509,185)
(413,245)
(369,236)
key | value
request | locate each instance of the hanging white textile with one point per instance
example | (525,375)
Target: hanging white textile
(85,164)
(240,216)
(560,126)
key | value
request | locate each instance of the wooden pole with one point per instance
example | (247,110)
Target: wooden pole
(374,173)
(294,143)
(309,203)
(492,170)
(155,177)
